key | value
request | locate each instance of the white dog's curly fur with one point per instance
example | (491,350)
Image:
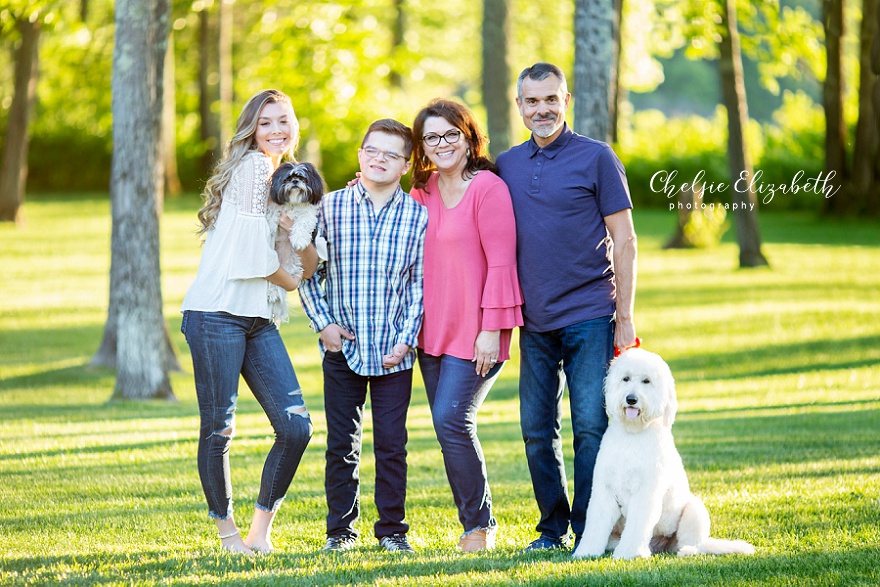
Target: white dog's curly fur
(641,501)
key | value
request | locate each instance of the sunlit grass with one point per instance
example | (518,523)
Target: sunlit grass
(779,425)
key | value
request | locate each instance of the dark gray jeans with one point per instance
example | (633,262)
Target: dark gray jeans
(223,347)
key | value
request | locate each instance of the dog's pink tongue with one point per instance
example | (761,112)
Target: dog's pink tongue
(632,413)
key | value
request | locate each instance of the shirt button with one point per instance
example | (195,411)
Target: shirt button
(536,177)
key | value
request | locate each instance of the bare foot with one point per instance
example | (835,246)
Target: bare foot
(259,538)
(259,546)
(236,545)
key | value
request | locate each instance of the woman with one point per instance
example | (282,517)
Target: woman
(228,326)
(472,297)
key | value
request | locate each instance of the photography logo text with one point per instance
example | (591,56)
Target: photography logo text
(665,182)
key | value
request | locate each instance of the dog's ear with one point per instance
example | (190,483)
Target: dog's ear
(314,182)
(671,399)
(610,386)
(277,193)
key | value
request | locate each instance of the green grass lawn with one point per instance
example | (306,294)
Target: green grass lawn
(778,374)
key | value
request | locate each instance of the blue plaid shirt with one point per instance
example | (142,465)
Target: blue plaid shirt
(371,282)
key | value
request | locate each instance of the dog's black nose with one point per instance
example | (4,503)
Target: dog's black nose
(631,400)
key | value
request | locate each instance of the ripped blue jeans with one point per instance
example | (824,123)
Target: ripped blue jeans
(224,346)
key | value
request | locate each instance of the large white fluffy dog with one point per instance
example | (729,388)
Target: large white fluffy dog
(641,502)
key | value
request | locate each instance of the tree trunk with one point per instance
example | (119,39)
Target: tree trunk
(593,62)
(733,89)
(135,188)
(496,75)
(687,201)
(866,151)
(874,202)
(169,123)
(14,169)
(224,69)
(207,95)
(395,79)
(832,101)
(617,91)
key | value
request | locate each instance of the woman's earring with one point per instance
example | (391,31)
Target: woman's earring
(469,152)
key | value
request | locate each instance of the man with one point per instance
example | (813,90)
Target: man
(576,256)
(368,314)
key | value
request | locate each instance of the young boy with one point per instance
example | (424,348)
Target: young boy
(368,313)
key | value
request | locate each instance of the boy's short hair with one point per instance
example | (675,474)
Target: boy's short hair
(393,127)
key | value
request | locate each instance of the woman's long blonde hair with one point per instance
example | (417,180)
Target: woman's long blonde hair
(239,145)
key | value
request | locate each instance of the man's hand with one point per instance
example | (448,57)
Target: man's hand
(332,336)
(397,354)
(625,334)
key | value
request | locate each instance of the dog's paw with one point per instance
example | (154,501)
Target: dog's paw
(589,548)
(689,550)
(631,553)
(587,553)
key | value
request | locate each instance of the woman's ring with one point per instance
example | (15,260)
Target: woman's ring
(493,360)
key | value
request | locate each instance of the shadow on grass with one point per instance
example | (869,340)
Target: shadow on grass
(776,228)
(855,566)
(773,297)
(769,360)
(708,441)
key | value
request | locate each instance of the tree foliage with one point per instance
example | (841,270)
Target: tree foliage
(347,63)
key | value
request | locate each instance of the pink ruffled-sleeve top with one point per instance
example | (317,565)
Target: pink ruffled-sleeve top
(471,282)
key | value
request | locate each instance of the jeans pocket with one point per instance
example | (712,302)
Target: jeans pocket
(183,322)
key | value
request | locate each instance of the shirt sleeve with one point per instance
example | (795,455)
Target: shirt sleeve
(252,178)
(413,302)
(612,187)
(252,248)
(311,291)
(502,297)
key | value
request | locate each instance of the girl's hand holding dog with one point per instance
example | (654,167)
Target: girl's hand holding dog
(285,222)
(486,349)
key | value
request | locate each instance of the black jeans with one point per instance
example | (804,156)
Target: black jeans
(345,393)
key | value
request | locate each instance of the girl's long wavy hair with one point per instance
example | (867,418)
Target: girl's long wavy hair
(461,118)
(243,142)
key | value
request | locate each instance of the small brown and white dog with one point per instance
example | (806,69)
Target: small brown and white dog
(641,502)
(296,190)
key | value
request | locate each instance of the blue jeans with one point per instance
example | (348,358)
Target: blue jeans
(223,347)
(455,394)
(579,355)
(345,394)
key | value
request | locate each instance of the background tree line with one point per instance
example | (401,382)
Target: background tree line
(346,63)
(178,68)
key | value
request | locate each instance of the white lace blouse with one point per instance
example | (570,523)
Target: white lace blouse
(239,250)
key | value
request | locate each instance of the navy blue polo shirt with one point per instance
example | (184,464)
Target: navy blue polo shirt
(561,194)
